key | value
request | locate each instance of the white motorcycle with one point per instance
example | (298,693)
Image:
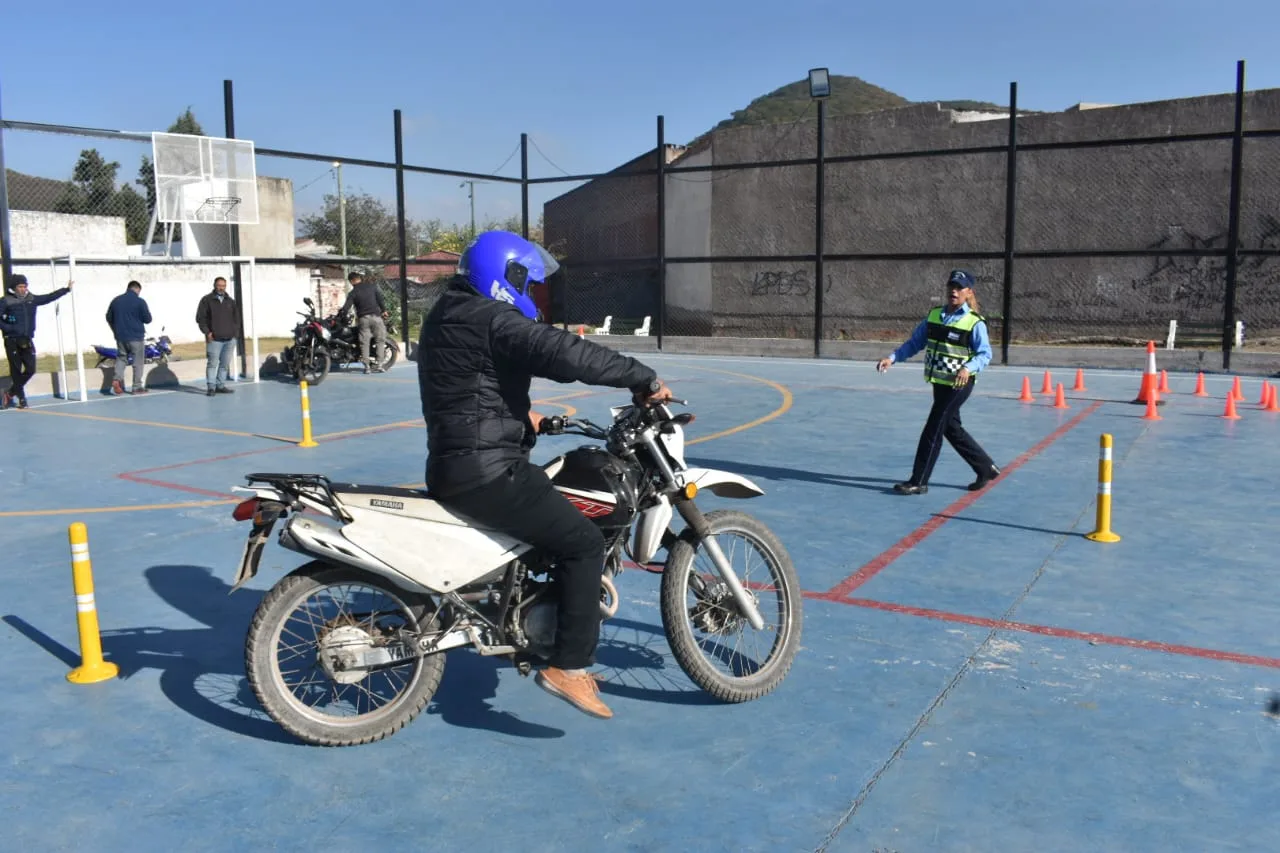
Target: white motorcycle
(349,648)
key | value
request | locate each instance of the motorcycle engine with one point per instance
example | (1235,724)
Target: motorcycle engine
(539,626)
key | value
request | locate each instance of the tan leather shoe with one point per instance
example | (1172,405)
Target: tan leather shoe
(581,691)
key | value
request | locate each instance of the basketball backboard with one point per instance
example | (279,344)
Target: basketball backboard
(205,179)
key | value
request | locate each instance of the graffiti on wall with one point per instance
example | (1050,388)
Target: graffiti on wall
(1200,282)
(780,284)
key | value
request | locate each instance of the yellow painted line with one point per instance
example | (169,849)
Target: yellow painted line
(101,509)
(131,421)
(373,428)
(787,401)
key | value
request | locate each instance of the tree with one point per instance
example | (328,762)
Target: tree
(92,191)
(185,123)
(371,227)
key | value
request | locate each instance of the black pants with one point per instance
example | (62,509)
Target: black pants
(944,422)
(22,363)
(524,504)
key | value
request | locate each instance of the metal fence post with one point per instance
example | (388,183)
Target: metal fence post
(1010,204)
(6,252)
(1233,223)
(661,156)
(229,116)
(818,205)
(400,233)
(524,187)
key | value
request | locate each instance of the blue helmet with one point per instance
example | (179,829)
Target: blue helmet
(501,265)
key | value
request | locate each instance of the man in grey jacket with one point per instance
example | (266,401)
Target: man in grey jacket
(218,319)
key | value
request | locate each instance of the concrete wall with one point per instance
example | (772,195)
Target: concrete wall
(172,288)
(1160,196)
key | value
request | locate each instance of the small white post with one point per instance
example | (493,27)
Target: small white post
(1173,331)
(1239,333)
(75,331)
(57,324)
(253,322)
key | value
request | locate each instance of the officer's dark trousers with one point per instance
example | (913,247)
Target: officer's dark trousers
(522,503)
(944,422)
(22,363)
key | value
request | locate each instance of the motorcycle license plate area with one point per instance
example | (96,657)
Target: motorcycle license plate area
(251,555)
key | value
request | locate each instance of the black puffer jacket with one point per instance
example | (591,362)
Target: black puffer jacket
(476,358)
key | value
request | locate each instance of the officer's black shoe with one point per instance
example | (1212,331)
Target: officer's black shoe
(983,479)
(909,489)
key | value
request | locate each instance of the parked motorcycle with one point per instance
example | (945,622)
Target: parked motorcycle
(307,358)
(155,351)
(344,342)
(434,581)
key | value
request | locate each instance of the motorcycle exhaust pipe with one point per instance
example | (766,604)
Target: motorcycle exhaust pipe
(607,611)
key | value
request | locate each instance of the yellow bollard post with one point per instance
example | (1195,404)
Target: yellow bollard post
(92,667)
(1102,527)
(307,440)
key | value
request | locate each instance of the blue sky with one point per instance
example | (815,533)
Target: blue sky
(585,80)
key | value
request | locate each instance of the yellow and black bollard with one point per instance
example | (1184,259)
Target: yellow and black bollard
(307,440)
(1102,527)
(92,667)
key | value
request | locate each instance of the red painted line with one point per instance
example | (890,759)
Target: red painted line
(177,486)
(1050,631)
(915,537)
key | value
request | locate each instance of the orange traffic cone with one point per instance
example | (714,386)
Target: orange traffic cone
(1060,400)
(1047,386)
(1200,392)
(1148,376)
(1236,393)
(1272,405)
(1164,382)
(1230,411)
(1079,386)
(1262,401)
(1153,413)
(582,331)
(1025,396)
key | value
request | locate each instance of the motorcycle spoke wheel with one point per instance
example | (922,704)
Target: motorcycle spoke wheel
(298,636)
(710,639)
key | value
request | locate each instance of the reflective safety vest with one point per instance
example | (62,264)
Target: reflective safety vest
(948,347)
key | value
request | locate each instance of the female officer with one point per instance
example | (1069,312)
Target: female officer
(957,347)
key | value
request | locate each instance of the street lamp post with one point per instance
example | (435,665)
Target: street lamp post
(472,193)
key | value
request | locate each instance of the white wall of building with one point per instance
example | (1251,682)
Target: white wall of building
(172,288)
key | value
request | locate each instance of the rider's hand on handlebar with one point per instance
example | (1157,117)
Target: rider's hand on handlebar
(536,419)
(657,392)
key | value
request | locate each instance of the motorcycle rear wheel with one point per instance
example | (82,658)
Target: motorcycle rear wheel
(303,719)
(391,352)
(719,615)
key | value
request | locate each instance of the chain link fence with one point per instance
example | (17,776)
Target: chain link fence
(1120,223)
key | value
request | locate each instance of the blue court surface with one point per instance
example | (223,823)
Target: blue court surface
(974,673)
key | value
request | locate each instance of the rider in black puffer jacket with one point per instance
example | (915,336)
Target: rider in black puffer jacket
(479,350)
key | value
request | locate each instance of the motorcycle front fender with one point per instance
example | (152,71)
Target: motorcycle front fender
(723,484)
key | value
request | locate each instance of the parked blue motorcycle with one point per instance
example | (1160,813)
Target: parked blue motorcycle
(156,351)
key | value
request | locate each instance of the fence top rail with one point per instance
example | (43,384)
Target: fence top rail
(101,133)
(152,259)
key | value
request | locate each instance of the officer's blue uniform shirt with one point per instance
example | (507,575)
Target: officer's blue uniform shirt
(915,343)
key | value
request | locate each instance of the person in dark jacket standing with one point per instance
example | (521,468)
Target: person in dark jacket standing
(371,316)
(128,315)
(479,349)
(957,348)
(18,323)
(217,319)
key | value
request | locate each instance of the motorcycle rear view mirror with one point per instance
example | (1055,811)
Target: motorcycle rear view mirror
(306,300)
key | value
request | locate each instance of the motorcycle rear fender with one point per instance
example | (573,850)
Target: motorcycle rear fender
(650,526)
(724,484)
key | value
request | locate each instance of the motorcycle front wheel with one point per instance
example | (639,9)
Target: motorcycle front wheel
(713,643)
(312,365)
(300,633)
